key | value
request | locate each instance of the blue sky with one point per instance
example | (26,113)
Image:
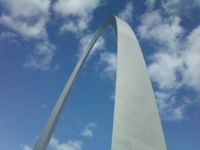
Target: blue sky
(40,42)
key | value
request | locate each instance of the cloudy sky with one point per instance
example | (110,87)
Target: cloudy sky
(40,43)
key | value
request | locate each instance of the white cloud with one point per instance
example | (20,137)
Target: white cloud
(69,145)
(127,12)
(173,65)
(163,70)
(110,61)
(26,147)
(180,6)
(77,25)
(75,7)
(88,130)
(87,133)
(155,27)
(77,144)
(24,8)
(170,5)
(24,28)
(197,3)
(76,13)
(28,19)
(55,144)
(150,4)
(175,53)
(9,37)
(166,34)
(169,106)
(191,57)
(42,57)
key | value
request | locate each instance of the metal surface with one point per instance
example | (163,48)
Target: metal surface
(136,124)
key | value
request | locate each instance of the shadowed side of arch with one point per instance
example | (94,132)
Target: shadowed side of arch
(136,124)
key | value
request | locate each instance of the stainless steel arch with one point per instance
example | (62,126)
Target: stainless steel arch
(136,124)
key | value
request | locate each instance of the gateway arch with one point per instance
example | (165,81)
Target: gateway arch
(136,122)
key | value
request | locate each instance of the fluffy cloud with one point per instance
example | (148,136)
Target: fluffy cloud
(75,7)
(127,12)
(55,144)
(24,8)
(177,53)
(179,6)
(28,19)
(109,60)
(76,25)
(69,145)
(154,26)
(87,131)
(163,70)
(173,65)
(170,107)
(77,144)
(150,4)
(26,147)
(42,56)
(191,57)
(24,28)
(76,13)
(9,37)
